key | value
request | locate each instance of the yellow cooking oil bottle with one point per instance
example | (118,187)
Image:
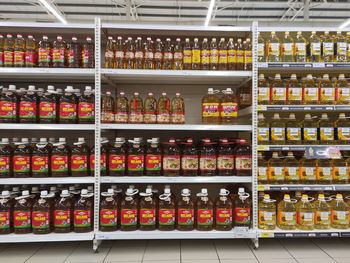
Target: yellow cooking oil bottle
(327,47)
(293,130)
(324,171)
(309,128)
(291,169)
(263,130)
(340,213)
(343,129)
(327,91)
(278,91)
(287,52)
(322,213)
(314,48)
(273,48)
(307,170)
(286,214)
(294,90)
(262,169)
(311,91)
(305,214)
(275,169)
(267,213)
(342,89)
(340,171)
(300,48)
(277,130)
(263,90)
(326,130)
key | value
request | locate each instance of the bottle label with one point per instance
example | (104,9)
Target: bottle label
(8,110)
(128,217)
(310,134)
(327,94)
(187,56)
(311,94)
(107,116)
(295,94)
(177,118)
(205,217)
(27,110)
(287,218)
(231,56)
(263,134)
(168,56)
(163,117)
(61,218)
(43,55)
(300,49)
(263,94)
(189,162)
(153,162)
(344,133)
(248,57)
(214,56)
(267,218)
(205,56)
(68,111)
(323,218)
(158,55)
(328,48)
(166,217)
(108,217)
(240,56)
(276,173)
(324,174)
(261,49)
(18,58)
(308,173)
(122,117)
(225,162)
(150,117)
(109,54)
(21,164)
(59,163)
(277,134)
(340,217)
(22,219)
(85,56)
(315,49)
(116,162)
(229,109)
(343,94)
(82,218)
(70,56)
(136,117)
(279,94)
(86,110)
(1,58)
(196,56)
(40,220)
(58,55)
(185,217)
(139,54)
(4,220)
(242,216)
(147,217)
(223,216)
(223,57)
(340,173)
(262,173)
(4,165)
(305,218)
(207,163)
(293,134)
(40,164)
(178,56)
(149,55)
(79,163)
(287,49)
(136,163)
(103,162)
(118,54)
(8,58)
(291,173)
(171,162)
(273,49)
(47,110)
(210,110)
(243,162)
(341,48)
(326,134)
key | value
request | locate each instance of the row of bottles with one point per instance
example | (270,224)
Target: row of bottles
(50,106)
(175,157)
(305,213)
(150,111)
(324,48)
(45,158)
(149,211)
(139,54)
(291,170)
(308,131)
(20,52)
(46,211)
(307,91)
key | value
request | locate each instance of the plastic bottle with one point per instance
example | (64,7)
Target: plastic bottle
(340,47)
(211,108)
(185,211)
(205,54)
(225,160)
(229,107)
(147,212)
(1,50)
(19,49)
(153,160)
(322,213)
(88,54)
(150,109)
(171,158)
(189,158)
(267,213)
(243,158)
(8,51)
(83,212)
(325,130)
(327,47)
(277,130)
(9,106)
(6,211)
(343,132)
(117,157)
(74,52)
(278,90)
(103,157)
(107,108)
(6,166)
(177,109)
(166,211)
(305,214)
(300,48)
(47,106)
(62,213)
(158,54)
(129,210)
(22,220)
(324,171)
(293,130)
(223,55)
(287,51)
(28,106)
(276,170)
(207,158)
(42,214)
(136,109)
(327,91)
(248,56)
(130,54)
(44,53)
(242,209)
(168,55)
(273,48)
(214,54)
(294,91)
(40,159)
(340,171)
(108,211)
(163,109)
(204,211)
(60,157)
(80,158)
(314,48)
(286,212)
(58,53)
(311,91)
(22,159)
(261,49)
(291,169)
(340,213)
(149,54)
(263,130)
(187,55)
(68,106)
(109,54)
(223,211)
(86,107)
(239,55)
(136,158)
(139,55)
(309,128)
(308,171)
(262,169)
(264,97)
(342,91)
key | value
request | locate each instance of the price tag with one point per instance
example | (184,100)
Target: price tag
(106,179)
(262,187)
(318,65)
(262,108)
(266,234)
(262,65)
(263,148)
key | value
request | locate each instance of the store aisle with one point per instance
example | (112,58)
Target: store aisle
(187,251)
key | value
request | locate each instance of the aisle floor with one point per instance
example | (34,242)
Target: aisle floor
(186,251)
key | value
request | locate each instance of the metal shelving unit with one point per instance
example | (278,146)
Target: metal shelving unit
(47,180)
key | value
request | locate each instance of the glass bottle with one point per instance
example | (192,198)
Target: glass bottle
(342,91)
(293,130)
(325,130)
(264,96)
(178,55)
(286,214)
(295,91)
(287,52)
(273,48)
(214,55)
(276,169)
(300,48)
(277,130)
(291,169)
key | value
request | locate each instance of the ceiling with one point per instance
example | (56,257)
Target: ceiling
(226,12)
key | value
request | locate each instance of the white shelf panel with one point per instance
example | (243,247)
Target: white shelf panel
(48,180)
(47,73)
(304,187)
(176,127)
(298,147)
(47,25)
(156,234)
(52,237)
(279,233)
(297,28)
(304,65)
(303,107)
(179,179)
(42,126)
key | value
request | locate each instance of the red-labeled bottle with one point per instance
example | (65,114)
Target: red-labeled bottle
(83,212)
(28,106)
(243,206)
(88,54)
(58,53)
(5,158)
(30,58)
(6,210)
(48,106)
(243,158)
(44,53)
(166,211)
(9,105)
(136,158)
(189,158)
(171,158)
(108,211)
(103,158)
(223,211)
(42,213)
(136,109)
(68,106)
(74,53)
(80,158)
(153,158)
(22,217)
(204,211)
(1,50)
(86,107)
(207,158)
(129,210)
(185,211)
(59,159)
(63,213)
(148,211)
(41,159)
(18,54)
(117,157)
(225,160)
(229,107)
(8,51)
(22,159)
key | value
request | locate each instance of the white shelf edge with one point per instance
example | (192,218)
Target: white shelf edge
(52,237)
(175,127)
(302,233)
(47,25)
(42,126)
(298,28)
(48,180)
(50,71)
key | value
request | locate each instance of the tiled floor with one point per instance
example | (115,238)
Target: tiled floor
(186,251)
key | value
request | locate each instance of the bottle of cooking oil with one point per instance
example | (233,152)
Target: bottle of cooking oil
(311,92)
(275,169)
(327,47)
(305,214)
(293,130)
(262,169)
(267,213)
(314,47)
(347,46)
(340,213)
(297,195)
(273,48)
(327,91)
(340,47)
(300,48)
(291,169)
(261,49)
(211,108)
(295,91)
(325,130)
(322,213)
(279,91)
(277,130)
(324,171)
(263,90)
(287,53)
(343,129)
(340,171)
(263,130)
(308,171)
(286,214)
(342,90)
(309,130)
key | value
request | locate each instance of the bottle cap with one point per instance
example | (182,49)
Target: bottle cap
(163,93)
(88,88)
(119,139)
(172,140)
(9,36)
(5,193)
(69,89)
(74,38)
(148,190)
(12,87)
(24,140)
(276,116)
(261,76)
(136,93)
(204,191)
(31,88)
(25,192)
(292,116)
(84,191)
(185,191)
(167,191)
(43,193)
(110,191)
(59,37)
(177,94)
(241,190)
(286,197)
(150,93)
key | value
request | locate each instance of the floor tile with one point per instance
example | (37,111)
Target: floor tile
(19,252)
(334,247)
(239,261)
(270,248)
(342,260)
(161,261)
(57,253)
(84,253)
(131,250)
(201,261)
(303,248)
(233,249)
(160,250)
(278,260)
(318,260)
(198,250)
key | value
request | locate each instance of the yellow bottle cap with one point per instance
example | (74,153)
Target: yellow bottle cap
(304,196)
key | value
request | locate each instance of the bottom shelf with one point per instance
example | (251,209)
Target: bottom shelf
(52,237)
(156,234)
(279,233)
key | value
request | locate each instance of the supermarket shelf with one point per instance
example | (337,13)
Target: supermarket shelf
(47,25)
(145,76)
(303,107)
(179,179)
(298,65)
(279,233)
(48,180)
(298,28)
(175,127)
(156,234)
(52,237)
(304,187)
(41,126)
(299,147)
(46,73)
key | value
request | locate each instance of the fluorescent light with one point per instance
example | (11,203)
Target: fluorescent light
(53,11)
(345,24)
(210,11)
